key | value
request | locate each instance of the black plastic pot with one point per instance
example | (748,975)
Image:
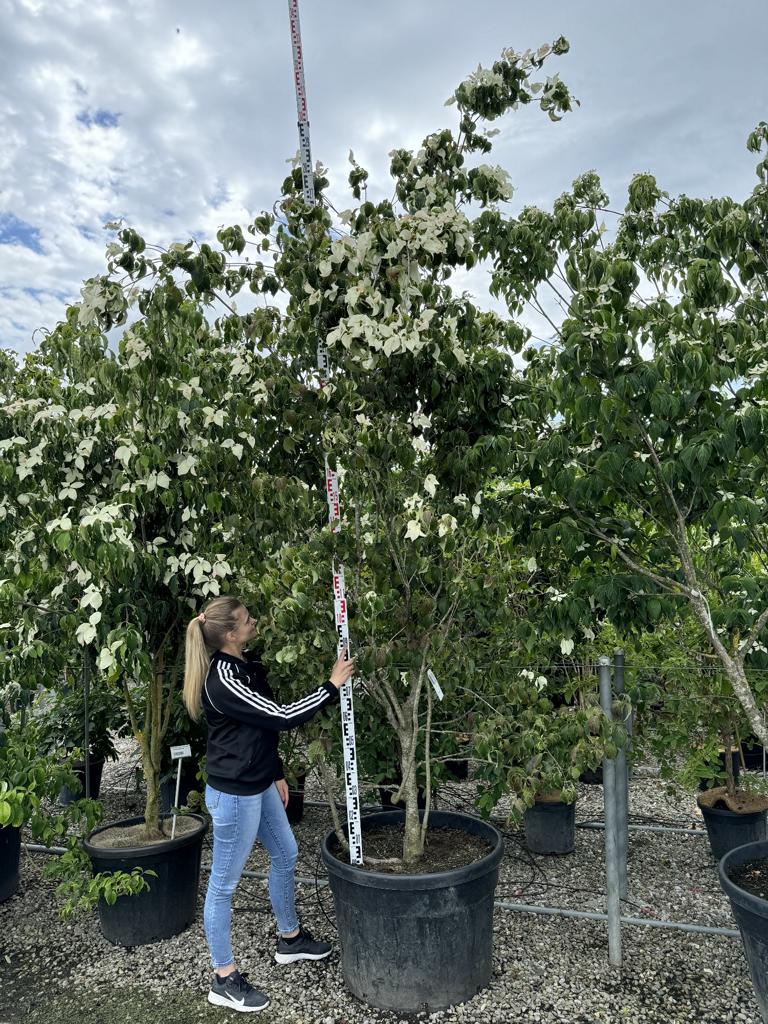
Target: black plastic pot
(592,776)
(550,827)
(728,829)
(751,915)
(735,761)
(752,750)
(295,808)
(95,769)
(458,769)
(169,906)
(416,942)
(10,849)
(168,786)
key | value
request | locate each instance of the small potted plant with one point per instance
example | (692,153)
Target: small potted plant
(29,782)
(60,716)
(531,752)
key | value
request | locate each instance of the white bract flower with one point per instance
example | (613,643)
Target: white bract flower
(107,659)
(532,565)
(431,484)
(566,646)
(446,525)
(414,530)
(190,389)
(237,449)
(64,523)
(85,633)
(92,598)
(124,453)
(215,416)
(188,463)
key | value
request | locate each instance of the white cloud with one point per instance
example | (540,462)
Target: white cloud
(179,116)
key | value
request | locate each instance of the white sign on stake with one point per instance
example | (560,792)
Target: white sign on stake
(435,685)
(178,754)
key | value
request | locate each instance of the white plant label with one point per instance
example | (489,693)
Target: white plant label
(435,685)
(181,751)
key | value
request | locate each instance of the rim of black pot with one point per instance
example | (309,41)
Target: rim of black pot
(144,849)
(429,880)
(725,812)
(757,850)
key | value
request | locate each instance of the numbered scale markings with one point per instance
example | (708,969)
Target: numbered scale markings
(331,478)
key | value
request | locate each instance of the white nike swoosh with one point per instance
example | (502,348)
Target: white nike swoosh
(239,1002)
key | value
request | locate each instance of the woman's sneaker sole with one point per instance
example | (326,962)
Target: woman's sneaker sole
(232,1004)
(290,958)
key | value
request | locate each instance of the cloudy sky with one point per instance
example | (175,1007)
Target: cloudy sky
(179,116)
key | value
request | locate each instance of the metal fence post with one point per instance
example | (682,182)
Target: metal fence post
(612,882)
(622,781)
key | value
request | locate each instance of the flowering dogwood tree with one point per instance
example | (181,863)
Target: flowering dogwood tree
(142,480)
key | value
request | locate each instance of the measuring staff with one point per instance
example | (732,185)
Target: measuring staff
(352,791)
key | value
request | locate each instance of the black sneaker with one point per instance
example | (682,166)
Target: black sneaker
(303,947)
(236,992)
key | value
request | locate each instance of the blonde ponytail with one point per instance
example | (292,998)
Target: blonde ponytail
(205,634)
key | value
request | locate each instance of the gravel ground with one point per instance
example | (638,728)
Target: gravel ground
(546,969)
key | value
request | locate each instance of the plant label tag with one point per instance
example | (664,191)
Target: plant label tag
(184,750)
(435,685)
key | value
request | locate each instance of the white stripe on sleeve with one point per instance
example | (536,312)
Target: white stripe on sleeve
(263,704)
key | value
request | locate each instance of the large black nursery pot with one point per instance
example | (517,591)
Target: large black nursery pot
(751,913)
(729,829)
(416,942)
(95,770)
(170,904)
(10,849)
(550,827)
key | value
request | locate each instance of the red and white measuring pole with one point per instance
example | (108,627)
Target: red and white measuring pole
(331,481)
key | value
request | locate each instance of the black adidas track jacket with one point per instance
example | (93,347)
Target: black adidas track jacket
(244,721)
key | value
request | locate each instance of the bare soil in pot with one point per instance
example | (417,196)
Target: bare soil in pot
(752,876)
(741,802)
(119,837)
(444,849)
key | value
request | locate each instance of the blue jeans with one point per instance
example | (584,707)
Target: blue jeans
(238,821)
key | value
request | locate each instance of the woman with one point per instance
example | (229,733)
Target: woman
(246,792)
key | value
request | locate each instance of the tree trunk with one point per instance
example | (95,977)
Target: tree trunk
(152,805)
(734,669)
(413,846)
(151,752)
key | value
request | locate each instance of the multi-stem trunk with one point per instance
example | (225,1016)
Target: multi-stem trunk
(413,845)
